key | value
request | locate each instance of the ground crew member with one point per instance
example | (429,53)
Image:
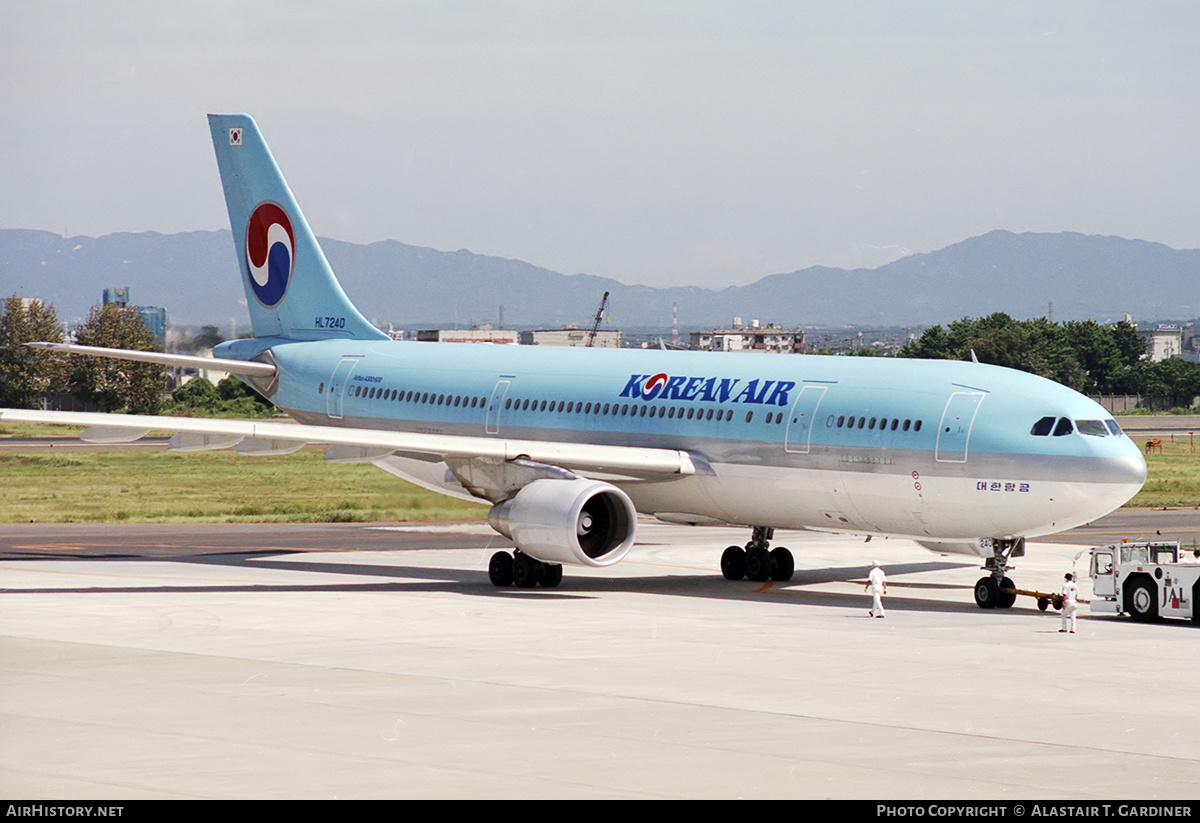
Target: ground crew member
(877,585)
(1069,606)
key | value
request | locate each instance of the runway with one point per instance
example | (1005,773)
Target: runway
(345,661)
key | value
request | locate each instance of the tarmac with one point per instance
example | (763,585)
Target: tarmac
(377,661)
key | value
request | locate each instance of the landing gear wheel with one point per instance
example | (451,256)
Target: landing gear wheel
(1142,601)
(758,564)
(733,563)
(500,569)
(1006,598)
(782,564)
(526,571)
(551,575)
(987,593)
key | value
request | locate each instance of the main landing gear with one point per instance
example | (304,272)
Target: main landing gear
(756,561)
(523,571)
(996,591)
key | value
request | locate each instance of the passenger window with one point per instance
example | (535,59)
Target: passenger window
(1043,427)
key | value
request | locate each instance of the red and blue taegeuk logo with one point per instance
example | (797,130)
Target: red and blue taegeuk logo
(270,253)
(653,385)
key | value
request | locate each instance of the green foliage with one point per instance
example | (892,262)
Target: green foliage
(28,375)
(197,393)
(117,384)
(229,398)
(1086,356)
(208,338)
(1174,378)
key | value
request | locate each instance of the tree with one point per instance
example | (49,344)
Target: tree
(197,393)
(29,375)
(208,338)
(229,397)
(1036,346)
(116,384)
(1174,378)
(1087,356)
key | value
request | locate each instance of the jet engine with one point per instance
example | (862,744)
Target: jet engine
(580,522)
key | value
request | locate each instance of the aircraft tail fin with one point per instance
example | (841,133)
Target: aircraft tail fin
(291,290)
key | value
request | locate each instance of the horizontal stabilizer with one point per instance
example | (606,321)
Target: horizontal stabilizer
(185,361)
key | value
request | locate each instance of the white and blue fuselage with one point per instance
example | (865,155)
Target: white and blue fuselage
(568,445)
(934,450)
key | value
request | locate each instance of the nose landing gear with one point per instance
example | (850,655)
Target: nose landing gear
(997,591)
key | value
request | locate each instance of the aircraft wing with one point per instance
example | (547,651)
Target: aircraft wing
(255,437)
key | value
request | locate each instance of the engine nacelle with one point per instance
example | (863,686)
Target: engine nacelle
(580,522)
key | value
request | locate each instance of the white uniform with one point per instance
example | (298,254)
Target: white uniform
(1069,606)
(875,581)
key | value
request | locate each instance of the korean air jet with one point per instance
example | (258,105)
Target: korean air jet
(567,446)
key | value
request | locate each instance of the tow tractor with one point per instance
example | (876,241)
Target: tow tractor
(1145,581)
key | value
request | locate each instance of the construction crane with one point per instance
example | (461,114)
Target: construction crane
(596,323)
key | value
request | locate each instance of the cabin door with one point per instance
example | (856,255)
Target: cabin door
(955,430)
(336,391)
(495,405)
(800,423)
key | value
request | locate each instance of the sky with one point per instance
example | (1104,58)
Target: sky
(664,143)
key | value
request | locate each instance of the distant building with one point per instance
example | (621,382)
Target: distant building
(571,337)
(1163,341)
(155,317)
(754,337)
(482,334)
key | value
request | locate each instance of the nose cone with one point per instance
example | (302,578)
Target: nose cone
(1117,477)
(1127,473)
(1125,465)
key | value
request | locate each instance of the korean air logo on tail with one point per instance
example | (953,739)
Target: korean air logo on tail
(270,253)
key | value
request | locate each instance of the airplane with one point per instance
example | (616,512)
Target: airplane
(569,445)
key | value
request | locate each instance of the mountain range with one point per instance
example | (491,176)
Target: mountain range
(193,275)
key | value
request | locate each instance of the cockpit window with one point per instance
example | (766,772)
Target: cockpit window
(1043,427)
(1095,428)
(1113,427)
(1064,427)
